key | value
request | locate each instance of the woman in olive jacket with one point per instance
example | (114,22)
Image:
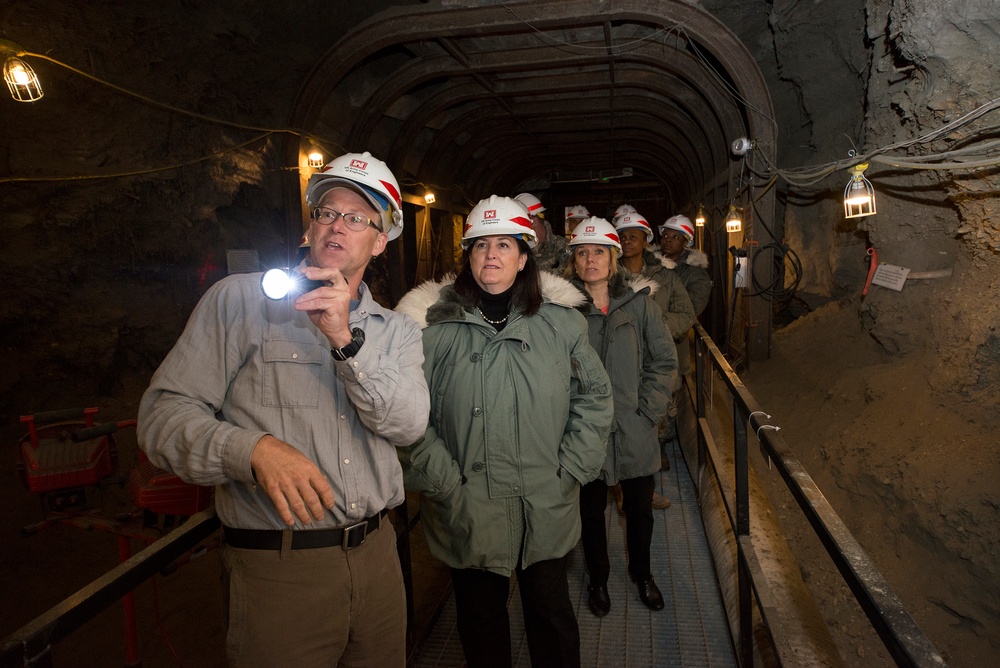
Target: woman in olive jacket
(626,328)
(520,413)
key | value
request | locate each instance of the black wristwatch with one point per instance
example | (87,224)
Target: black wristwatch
(352,348)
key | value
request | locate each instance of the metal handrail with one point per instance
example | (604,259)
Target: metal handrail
(905,642)
(31,645)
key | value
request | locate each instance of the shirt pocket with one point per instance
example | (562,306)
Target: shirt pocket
(292,372)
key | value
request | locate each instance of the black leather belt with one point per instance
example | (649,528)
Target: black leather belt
(270,539)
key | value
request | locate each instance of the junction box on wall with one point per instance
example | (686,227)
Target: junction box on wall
(740,267)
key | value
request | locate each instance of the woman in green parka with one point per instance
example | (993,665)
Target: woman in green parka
(626,328)
(520,413)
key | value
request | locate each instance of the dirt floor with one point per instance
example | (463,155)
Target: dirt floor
(911,471)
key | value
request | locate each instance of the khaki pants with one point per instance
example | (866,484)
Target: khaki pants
(318,607)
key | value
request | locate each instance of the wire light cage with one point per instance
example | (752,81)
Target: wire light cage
(315,159)
(734,221)
(859,195)
(699,219)
(21,80)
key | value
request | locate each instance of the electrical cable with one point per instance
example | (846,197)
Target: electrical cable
(151,170)
(164,105)
(614,49)
(801,177)
(732,92)
(777,291)
(804,177)
(168,107)
(732,316)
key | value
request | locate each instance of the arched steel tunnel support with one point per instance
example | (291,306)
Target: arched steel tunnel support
(736,94)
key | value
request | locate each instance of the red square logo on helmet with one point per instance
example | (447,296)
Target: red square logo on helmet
(490,213)
(359,164)
(590,228)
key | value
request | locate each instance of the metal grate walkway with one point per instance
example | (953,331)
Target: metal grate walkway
(690,631)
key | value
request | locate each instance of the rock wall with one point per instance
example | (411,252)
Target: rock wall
(891,398)
(932,64)
(117,212)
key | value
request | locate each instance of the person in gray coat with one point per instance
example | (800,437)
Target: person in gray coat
(626,328)
(520,413)
(672,297)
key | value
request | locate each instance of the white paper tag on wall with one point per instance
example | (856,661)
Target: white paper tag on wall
(890,276)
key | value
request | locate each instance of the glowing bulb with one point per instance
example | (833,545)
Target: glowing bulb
(21,80)
(859,195)
(429,198)
(316,160)
(733,221)
(20,76)
(279,283)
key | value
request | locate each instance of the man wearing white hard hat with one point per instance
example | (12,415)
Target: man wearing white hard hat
(550,251)
(293,408)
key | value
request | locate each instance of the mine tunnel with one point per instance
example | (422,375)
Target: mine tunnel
(161,149)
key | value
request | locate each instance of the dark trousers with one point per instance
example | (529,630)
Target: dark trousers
(637,497)
(549,620)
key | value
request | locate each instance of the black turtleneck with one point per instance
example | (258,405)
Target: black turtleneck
(495,308)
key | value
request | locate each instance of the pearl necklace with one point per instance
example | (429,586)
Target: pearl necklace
(492,322)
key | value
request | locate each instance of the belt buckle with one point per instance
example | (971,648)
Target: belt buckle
(349,531)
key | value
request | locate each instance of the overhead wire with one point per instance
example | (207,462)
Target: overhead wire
(615,49)
(801,177)
(988,154)
(163,105)
(149,170)
(266,132)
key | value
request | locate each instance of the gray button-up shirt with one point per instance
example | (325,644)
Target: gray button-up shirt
(246,366)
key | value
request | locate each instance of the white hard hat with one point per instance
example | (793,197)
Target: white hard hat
(498,215)
(578,212)
(370,178)
(531,203)
(634,221)
(595,231)
(623,210)
(682,224)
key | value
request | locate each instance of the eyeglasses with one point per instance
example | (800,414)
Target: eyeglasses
(354,221)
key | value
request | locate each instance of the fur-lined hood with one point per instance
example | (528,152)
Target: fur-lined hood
(620,287)
(636,282)
(692,256)
(653,257)
(435,301)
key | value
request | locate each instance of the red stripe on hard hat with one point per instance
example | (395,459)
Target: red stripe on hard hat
(536,207)
(389,188)
(522,221)
(613,237)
